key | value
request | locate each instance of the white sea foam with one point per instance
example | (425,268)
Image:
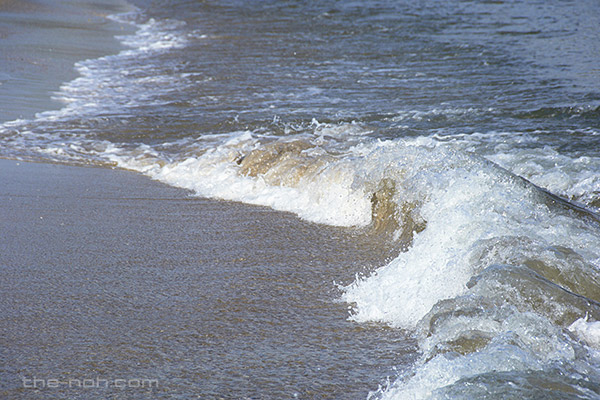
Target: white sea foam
(576,178)
(328,196)
(465,200)
(109,85)
(573,176)
(588,331)
(419,115)
(524,342)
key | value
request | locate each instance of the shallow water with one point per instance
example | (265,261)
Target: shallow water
(127,279)
(463,136)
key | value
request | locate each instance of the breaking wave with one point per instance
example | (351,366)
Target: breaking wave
(497,278)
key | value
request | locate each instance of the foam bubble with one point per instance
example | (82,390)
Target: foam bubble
(588,331)
(155,35)
(529,343)
(572,175)
(110,85)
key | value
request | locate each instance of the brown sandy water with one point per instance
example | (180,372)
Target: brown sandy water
(107,275)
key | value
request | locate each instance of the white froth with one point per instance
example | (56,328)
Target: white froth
(110,84)
(571,176)
(518,342)
(464,200)
(442,371)
(419,115)
(588,331)
(330,197)
(576,178)
(156,35)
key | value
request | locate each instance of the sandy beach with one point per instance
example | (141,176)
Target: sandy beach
(81,251)
(299,200)
(117,286)
(137,289)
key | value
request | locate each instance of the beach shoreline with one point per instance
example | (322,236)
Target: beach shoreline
(108,274)
(381,211)
(40,43)
(110,277)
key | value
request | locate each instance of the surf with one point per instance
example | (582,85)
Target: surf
(495,268)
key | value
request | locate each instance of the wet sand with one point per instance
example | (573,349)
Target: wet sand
(116,286)
(109,276)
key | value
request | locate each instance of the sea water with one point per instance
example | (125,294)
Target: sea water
(463,135)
